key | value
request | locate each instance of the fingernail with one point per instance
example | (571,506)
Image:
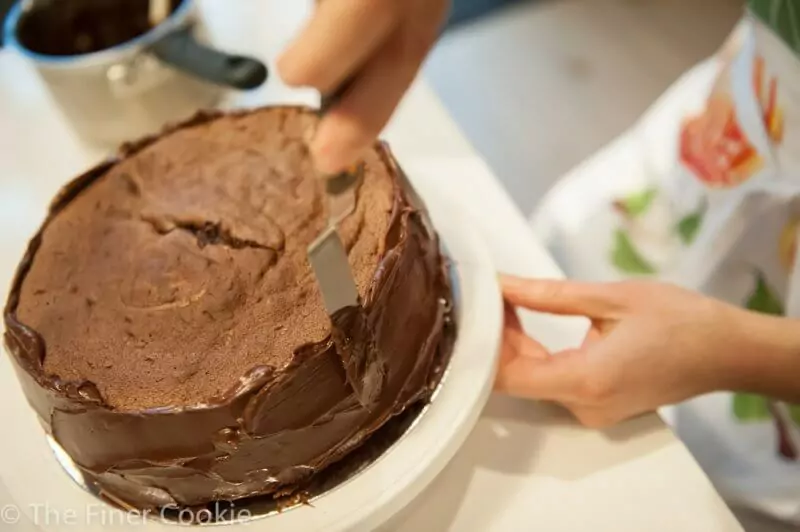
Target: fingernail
(331,157)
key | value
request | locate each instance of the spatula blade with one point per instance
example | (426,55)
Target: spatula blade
(328,258)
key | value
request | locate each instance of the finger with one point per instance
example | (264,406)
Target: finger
(558,378)
(593,335)
(510,323)
(516,341)
(510,317)
(352,125)
(507,352)
(518,344)
(337,40)
(594,300)
(595,418)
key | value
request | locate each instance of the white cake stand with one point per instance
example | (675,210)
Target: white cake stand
(37,495)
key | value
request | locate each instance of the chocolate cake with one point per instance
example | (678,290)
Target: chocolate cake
(167,328)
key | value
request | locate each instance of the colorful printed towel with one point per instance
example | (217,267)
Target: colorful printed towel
(717,209)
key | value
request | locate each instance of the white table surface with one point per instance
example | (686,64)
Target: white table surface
(526,466)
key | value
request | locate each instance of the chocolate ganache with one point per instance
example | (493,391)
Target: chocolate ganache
(167,329)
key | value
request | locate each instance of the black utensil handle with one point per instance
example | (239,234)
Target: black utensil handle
(181,50)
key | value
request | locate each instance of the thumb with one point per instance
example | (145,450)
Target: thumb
(594,300)
(556,378)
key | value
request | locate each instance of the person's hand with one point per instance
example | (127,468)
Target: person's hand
(649,345)
(378,47)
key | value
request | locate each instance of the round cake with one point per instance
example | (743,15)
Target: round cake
(168,330)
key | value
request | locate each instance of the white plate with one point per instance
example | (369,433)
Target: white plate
(36,494)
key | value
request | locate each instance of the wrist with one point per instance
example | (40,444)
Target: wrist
(763,356)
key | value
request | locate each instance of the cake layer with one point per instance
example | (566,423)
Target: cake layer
(168,330)
(185,265)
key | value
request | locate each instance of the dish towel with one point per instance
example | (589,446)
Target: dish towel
(706,193)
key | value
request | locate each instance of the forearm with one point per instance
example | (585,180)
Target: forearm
(767,356)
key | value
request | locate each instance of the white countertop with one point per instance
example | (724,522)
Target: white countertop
(526,466)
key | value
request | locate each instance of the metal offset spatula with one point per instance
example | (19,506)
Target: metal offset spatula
(327,253)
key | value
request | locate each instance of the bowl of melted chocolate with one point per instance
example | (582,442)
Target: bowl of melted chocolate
(119,74)
(57,28)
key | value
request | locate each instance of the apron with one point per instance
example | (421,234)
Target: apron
(725,220)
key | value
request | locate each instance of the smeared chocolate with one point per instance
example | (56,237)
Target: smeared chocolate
(83,26)
(364,364)
(276,424)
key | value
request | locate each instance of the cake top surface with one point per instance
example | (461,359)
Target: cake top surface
(184,266)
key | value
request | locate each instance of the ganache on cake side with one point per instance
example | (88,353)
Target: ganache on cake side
(167,329)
